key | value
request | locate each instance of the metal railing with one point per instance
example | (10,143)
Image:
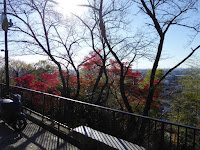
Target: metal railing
(158,134)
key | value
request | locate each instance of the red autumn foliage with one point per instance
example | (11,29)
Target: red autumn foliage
(45,83)
(92,64)
(25,81)
(135,93)
(93,61)
(90,68)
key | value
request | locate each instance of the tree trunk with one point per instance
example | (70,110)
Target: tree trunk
(96,84)
(122,90)
(78,85)
(152,78)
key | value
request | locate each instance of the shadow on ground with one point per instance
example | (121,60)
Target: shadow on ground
(33,137)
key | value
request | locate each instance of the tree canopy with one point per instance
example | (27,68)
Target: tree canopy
(94,53)
(185,106)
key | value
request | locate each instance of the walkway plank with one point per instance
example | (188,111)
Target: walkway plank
(33,137)
(107,139)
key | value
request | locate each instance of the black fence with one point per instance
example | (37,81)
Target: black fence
(148,132)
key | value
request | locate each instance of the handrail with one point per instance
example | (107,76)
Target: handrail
(107,108)
(124,125)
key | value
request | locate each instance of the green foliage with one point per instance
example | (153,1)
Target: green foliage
(185,107)
(43,66)
(19,68)
(158,75)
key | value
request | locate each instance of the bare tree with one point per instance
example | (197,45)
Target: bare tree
(97,44)
(111,23)
(19,68)
(68,40)
(163,15)
(37,23)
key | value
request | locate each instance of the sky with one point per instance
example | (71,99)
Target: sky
(175,47)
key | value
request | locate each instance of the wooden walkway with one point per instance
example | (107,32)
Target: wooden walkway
(107,139)
(33,137)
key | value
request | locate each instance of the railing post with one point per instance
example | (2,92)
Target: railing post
(44,101)
(65,107)
(186,137)
(51,108)
(170,142)
(178,138)
(58,138)
(194,140)
(60,117)
(114,122)
(148,140)
(21,93)
(31,100)
(162,136)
